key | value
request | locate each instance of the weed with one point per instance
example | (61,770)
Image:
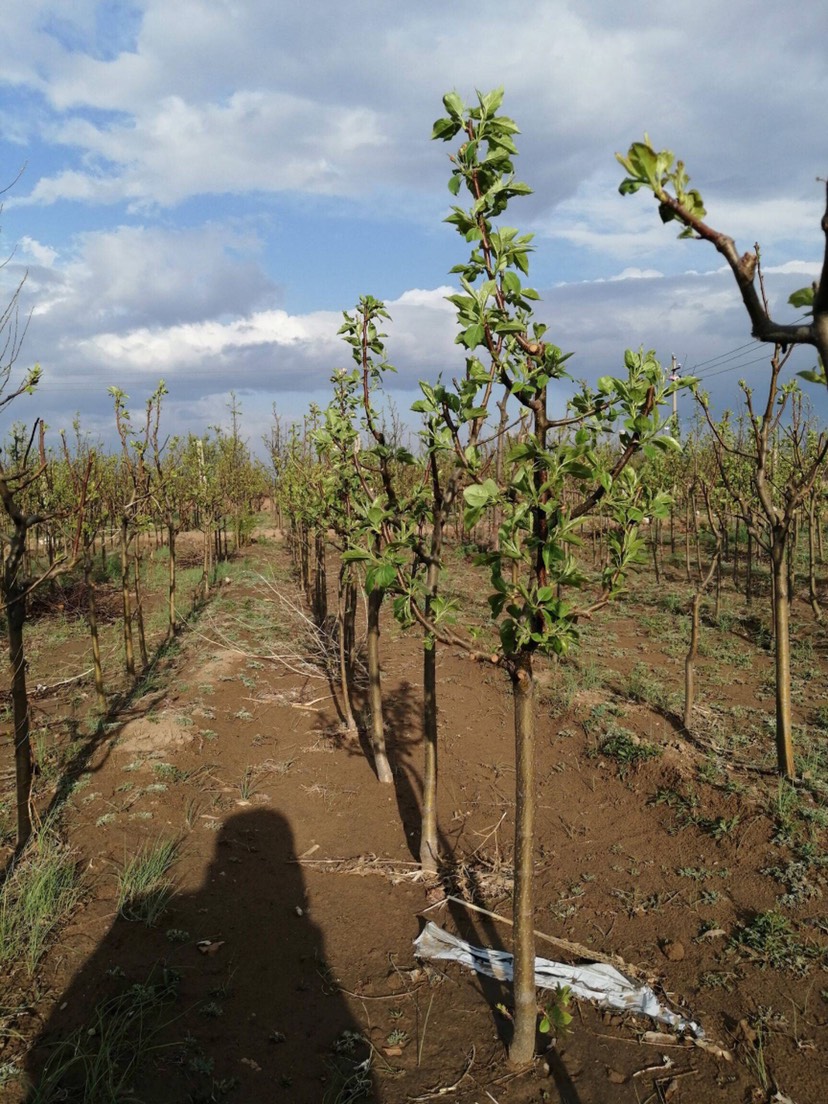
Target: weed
(718,827)
(211,1009)
(719,979)
(798,878)
(770,939)
(556,1019)
(98,1062)
(349,1078)
(170,772)
(176,935)
(144,888)
(644,686)
(627,749)
(37,896)
(106,818)
(247,785)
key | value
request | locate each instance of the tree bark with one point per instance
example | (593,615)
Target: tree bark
(381,764)
(522,1048)
(23,763)
(92,618)
(782,642)
(126,601)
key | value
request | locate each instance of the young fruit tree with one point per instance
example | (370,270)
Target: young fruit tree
(660,173)
(555,477)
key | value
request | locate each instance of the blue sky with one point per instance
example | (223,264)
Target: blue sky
(208,184)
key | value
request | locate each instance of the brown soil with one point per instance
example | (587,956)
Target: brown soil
(298,869)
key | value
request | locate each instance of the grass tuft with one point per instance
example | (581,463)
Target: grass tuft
(41,891)
(144,885)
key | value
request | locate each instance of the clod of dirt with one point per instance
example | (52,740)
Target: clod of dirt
(615,1076)
(673,950)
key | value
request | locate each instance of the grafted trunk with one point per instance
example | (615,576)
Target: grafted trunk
(342,616)
(782,644)
(126,602)
(139,609)
(92,619)
(812,590)
(381,764)
(522,1047)
(171,583)
(23,763)
(320,602)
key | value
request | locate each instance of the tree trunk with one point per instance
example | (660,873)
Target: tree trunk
(381,764)
(522,1048)
(812,590)
(654,549)
(139,609)
(344,665)
(126,601)
(782,642)
(172,614)
(92,618)
(320,604)
(428,831)
(23,763)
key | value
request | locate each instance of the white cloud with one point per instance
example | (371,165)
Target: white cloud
(41,254)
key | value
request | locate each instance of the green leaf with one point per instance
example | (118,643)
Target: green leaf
(803,297)
(454,106)
(444,129)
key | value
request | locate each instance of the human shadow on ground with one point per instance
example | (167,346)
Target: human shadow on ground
(229,991)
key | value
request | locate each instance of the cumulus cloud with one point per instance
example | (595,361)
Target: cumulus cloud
(173,133)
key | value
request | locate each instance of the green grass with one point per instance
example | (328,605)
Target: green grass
(770,939)
(626,748)
(40,893)
(144,885)
(98,1063)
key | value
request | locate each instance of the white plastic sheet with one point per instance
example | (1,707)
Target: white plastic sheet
(597,982)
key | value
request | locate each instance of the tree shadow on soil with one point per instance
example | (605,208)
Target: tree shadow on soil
(230,991)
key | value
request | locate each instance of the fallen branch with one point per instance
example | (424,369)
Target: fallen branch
(40,690)
(577,949)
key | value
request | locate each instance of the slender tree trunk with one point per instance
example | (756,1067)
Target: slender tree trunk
(207,548)
(320,605)
(749,570)
(428,833)
(812,589)
(522,1047)
(92,618)
(126,601)
(344,664)
(171,584)
(23,761)
(654,549)
(687,542)
(782,640)
(693,649)
(793,553)
(139,608)
(381,764)
(304,557)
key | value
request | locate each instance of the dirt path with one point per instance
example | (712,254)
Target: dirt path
(296,874)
